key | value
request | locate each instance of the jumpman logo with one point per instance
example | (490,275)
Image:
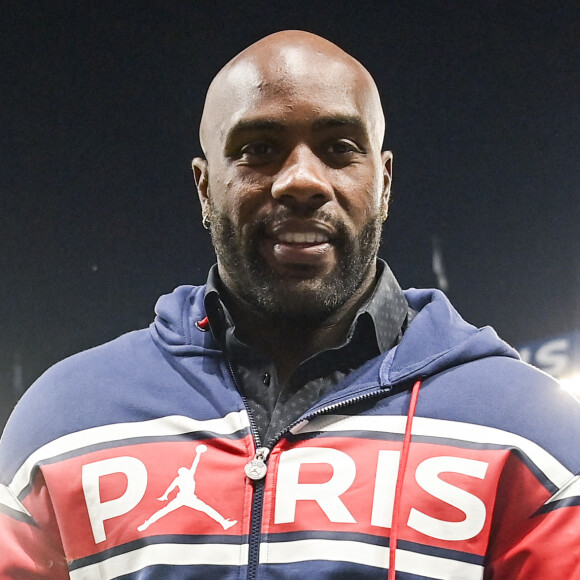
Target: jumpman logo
(186,497)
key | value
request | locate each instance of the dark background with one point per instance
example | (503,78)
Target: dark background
(99,114)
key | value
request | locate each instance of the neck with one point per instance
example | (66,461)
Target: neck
(290,342)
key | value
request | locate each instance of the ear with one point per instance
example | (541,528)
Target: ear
(387,162)
(200,175)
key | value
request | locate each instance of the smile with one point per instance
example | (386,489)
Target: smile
(302,238)
(302,244)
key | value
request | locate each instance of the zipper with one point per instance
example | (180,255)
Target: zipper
(257,467)
(325,410)
(253,428)
(255,470)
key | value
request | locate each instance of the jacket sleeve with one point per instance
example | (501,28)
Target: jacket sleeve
(31,548)
(545,544)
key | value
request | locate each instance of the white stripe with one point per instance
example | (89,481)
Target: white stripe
(422,426)
(163,427)
(8,499)
(368,555)
(570,489)
(164,554)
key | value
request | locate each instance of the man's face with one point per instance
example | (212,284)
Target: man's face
(295,186)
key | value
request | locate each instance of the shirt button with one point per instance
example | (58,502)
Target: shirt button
(266,379)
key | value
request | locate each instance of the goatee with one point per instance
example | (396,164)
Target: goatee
(306,301)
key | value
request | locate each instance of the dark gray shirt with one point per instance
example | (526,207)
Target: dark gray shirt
(376,328)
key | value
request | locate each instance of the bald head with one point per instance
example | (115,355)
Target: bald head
(284,63)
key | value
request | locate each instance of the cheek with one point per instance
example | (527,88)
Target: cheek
(238,199)
(361,197)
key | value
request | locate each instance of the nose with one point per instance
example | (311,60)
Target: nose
(302,180)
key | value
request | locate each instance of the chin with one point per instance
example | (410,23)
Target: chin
(303,301)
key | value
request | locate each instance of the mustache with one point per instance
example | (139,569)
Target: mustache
(268,222)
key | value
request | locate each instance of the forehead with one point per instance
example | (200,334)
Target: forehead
(295,88)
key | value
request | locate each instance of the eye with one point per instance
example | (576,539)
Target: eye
(342,152)
(342,147)
(257,150)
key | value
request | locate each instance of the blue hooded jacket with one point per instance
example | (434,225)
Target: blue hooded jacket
(129,461)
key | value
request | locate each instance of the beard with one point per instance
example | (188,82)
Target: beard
(303,300)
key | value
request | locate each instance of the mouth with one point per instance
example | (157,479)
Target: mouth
(303,238)
(300,244)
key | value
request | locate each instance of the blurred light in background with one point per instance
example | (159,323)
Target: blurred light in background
(571,384)
(559,356)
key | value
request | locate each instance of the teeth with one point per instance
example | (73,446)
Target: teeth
(303,238)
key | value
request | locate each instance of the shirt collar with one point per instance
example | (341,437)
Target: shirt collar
(386,308)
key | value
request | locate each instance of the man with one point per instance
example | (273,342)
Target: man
(349,430)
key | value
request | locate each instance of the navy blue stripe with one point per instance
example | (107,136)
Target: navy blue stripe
(376,540)
(314,569)
(17,515)
(562,503)
(152,540)
(191,436)
(201,572)
(323,535)
(442,441)
(456,555)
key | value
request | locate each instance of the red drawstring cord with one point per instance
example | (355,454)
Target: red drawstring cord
(202,324)
(400,477)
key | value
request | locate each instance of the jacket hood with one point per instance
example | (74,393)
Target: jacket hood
(175,328)
(437,338)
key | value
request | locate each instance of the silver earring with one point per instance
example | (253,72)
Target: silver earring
(205,221)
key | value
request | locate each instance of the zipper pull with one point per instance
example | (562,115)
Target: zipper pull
(256,468)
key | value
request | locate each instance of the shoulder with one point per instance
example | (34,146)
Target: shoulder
(511,396)
(80,392)
(124,355)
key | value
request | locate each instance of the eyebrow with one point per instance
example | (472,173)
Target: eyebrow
(349,121)
(253,125)
(275,125)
